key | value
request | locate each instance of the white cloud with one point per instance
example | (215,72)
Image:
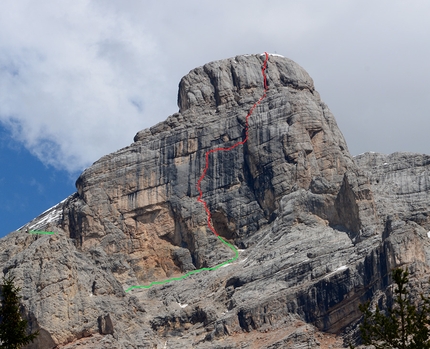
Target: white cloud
(79,80)
(76,83)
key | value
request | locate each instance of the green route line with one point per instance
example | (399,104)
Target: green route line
(199,199)
(41,232)
(234,249)
(236,256)
(231,260)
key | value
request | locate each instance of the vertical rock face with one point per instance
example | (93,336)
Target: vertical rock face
(151,198)
(401,182)
(318,231)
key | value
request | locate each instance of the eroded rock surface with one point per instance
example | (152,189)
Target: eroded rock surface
(318,231)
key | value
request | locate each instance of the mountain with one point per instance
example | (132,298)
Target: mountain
(316,230)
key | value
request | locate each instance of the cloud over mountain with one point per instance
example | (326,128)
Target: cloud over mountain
(78,80)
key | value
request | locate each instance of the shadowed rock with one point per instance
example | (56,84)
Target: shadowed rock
(318,230)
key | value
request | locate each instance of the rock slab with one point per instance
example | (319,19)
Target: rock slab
(318,231)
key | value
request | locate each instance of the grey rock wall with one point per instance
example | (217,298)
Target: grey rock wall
(318,231)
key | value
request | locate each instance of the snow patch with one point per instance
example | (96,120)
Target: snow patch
(49,217)
(366,152)
(53,207)
(275,55)
(343,267)
(428,234)
(46,216)
(183,305)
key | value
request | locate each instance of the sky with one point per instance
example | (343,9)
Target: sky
(79,79)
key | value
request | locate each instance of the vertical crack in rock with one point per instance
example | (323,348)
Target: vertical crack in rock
(319,230)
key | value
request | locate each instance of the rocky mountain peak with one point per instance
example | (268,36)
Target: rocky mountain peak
(235,81)
(317,230)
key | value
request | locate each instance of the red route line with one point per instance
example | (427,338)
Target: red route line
(199,199)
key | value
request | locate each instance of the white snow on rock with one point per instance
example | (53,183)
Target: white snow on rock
(183,305)
(50,217)
(341,268)
(370,152)
(428,234)
(55,206)
(52,214)
(272,54)
(243,260)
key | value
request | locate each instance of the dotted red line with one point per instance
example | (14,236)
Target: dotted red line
(199,199)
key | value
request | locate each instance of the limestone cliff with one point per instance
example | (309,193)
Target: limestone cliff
(318,231)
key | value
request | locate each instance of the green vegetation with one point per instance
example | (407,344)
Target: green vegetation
(404,326)
(41,232)
(13,329)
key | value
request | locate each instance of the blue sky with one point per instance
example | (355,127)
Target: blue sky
(27,186)
(79,79)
